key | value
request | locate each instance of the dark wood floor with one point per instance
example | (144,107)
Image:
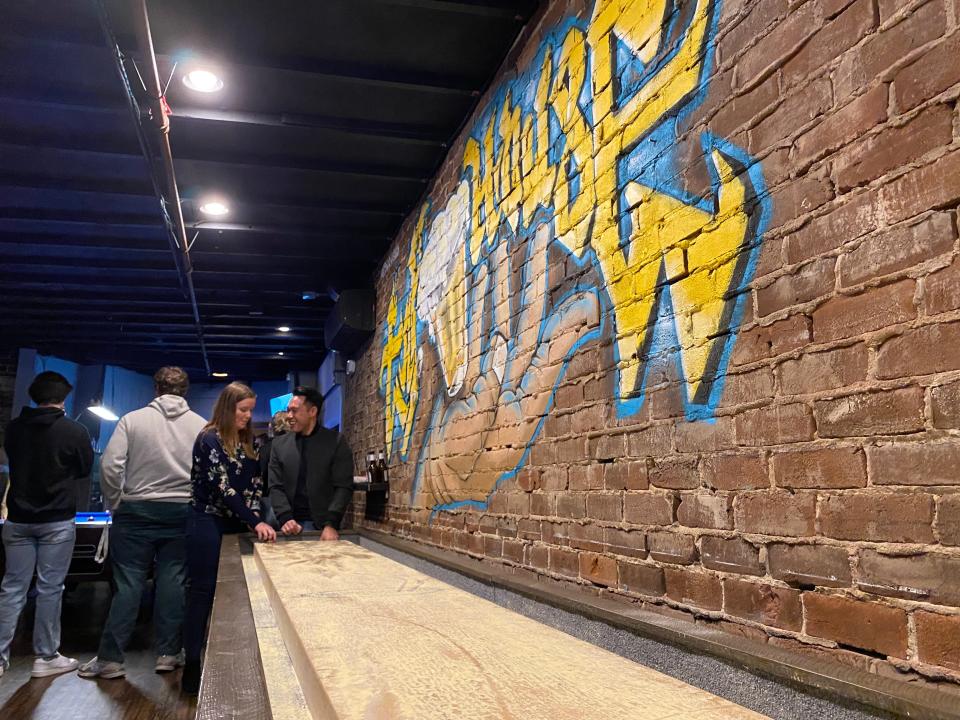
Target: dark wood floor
(142,695)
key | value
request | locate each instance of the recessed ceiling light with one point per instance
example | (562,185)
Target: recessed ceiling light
(220,374)
(280,353)
(102,412)
(284,328)
(203,81)
(214,207)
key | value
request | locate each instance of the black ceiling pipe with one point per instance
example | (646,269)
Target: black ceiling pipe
(163,176)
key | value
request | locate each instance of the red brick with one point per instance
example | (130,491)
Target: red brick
(733,555)
(871,60)
(898,249)
(676,473)
(928,349)
(796,198)
(778,43)
(893,147)
(606,447)
(541,504)
(588,419)
(776,512)
(739,110)
(705,511)
(759,16)
(828,370)
(585,537)
(809,564)
(771,340)
(932,73)
(536,556)
(832,467)
(874,413)
(492,546)
(880,517)
(948,519)
(764,604)
(517,504)
(598,569)
(628,543)
(641,579)
(528,479)
(625,476)
(694,588)
(648,508)
(513,550)
(807,283)
(929,577)
(571,505)
(854,216)
(865,625)
(927,188)
(734,472)
(915,463)
(564,562)
(529,529)
(670,547)
(938,637)
(852,315)
(584,477)
(941,291)
(832,655)
(605,506)
(747,387)
(945,401)
(846,124)
(831,40)
(553,478)
(652,441)
(775,425)
(693,437)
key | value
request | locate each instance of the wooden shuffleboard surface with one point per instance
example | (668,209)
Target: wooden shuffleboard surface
(370,639)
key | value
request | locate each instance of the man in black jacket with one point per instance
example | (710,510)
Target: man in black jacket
(310,471)
(49,455)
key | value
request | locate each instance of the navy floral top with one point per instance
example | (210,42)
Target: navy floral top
(223,486)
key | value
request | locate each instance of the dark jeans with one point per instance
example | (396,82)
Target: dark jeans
(142,532)
(204,534)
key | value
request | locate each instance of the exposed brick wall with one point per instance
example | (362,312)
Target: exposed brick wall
(814,501)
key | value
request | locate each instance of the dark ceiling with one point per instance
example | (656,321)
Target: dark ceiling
(333,117)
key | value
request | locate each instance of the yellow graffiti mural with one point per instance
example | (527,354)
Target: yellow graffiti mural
(399,371)
(578,150)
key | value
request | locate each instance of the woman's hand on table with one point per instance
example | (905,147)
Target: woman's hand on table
(265,533)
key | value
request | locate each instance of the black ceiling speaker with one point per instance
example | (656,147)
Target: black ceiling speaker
(350,322)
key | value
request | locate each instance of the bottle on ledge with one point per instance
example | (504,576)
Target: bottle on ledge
(382,470)
(371,468)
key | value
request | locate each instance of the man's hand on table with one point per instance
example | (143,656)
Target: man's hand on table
(291,527)
(265,533)
(330,533)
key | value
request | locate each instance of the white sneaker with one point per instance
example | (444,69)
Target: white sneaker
(56,665)
(169,663)
(106,669)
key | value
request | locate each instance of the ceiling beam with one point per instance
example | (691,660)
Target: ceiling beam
(256,162)
(506,9)
(54,188)
(406,133)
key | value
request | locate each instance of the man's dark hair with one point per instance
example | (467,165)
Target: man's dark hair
(309,395)
(49,388)
(171,380)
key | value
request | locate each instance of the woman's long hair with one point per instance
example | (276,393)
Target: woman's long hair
(224,420)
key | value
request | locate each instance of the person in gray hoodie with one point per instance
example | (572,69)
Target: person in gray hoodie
(145,479)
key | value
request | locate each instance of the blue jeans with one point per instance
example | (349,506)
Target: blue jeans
(46,548)
(204,534)
(142,532)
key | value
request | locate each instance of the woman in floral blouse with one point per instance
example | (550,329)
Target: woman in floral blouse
(227,488)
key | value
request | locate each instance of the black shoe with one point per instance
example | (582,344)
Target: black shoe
(190,679)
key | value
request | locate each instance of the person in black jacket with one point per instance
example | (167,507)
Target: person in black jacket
(310,471)
(49,455)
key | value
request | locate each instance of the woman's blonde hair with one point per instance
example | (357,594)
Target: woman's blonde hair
(224,420)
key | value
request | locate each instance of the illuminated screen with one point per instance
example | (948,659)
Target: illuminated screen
(279,403)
